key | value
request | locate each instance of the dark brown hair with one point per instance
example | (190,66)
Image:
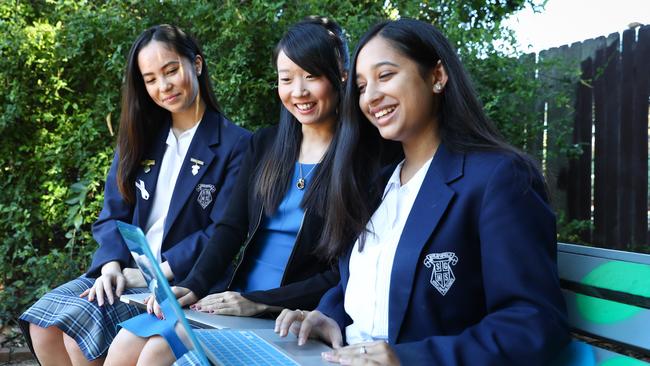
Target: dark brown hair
(141,118)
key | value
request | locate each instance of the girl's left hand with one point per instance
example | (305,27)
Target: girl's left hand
(229,303)
(371,353)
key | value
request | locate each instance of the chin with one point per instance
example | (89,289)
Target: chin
(388,134)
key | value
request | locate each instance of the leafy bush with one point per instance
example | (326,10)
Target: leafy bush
(61,67)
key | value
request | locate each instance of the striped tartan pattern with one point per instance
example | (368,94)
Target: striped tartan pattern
(91,326)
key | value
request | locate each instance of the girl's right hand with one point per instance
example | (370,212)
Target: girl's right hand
(309,323)
(134,278)
(111,276)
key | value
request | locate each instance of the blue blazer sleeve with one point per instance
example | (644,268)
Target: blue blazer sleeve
(111,245)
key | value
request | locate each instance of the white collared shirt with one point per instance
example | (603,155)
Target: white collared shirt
(367,292)
(169,169)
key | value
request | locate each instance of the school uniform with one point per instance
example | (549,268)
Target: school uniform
(202,186)
(267,259)
(473,277)
(305,276)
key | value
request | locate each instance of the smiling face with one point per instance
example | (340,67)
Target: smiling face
(309,98)
(170,79)
(393,94)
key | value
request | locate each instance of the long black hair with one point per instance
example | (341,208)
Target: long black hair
(318,45)
(463,126)
(141,117)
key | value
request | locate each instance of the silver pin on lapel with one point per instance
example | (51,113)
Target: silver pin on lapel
(197,165)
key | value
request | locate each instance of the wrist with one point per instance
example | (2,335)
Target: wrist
(110,267)
(167,270)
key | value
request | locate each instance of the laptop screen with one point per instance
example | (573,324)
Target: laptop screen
(158,285)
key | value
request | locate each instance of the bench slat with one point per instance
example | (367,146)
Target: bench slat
(579,353)
(619,323)
(625,282)
(612,254)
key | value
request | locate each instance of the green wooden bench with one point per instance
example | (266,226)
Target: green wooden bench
(608,299)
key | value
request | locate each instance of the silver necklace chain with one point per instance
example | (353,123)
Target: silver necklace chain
(300,184)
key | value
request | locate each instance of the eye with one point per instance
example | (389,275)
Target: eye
(172,71)
(311,77)
(149,81)
(386,75)
(285,80)
(361,88)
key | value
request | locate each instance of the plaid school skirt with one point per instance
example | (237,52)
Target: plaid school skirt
(91,326)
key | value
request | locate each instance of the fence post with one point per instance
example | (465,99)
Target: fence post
(639,160)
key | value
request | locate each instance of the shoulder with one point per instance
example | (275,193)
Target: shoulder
(504,170)
(489,162)
(263,138)
(228,128)
(265,135)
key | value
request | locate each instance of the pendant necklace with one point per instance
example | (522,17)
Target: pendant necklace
(300,184)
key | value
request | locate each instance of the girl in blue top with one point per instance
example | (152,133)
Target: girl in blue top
(455,258)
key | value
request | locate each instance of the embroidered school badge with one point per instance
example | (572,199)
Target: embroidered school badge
(442,277)
(205,194)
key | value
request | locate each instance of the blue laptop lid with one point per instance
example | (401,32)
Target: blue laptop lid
(157,283)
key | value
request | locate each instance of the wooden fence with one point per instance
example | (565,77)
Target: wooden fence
(608,182)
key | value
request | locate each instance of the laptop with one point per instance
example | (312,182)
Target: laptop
(228,347)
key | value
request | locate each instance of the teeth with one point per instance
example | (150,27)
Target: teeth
(305,106)
(384,112)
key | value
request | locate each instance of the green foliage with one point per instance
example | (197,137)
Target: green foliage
(61,65)
(570,231)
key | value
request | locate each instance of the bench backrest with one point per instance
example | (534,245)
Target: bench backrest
(607,294)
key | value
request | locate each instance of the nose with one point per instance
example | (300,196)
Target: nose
(370,96)
(299,89)
(165,84)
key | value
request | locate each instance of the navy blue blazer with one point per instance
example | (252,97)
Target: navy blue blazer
(474,280)
(197,203)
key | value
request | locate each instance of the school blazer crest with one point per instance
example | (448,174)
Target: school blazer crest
(474,280)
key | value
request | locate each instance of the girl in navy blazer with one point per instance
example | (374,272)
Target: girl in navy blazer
(455,258)
(176,162)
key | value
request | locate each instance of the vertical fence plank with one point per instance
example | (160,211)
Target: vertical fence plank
(557,112)
(579,185)
(626,177)
(600,153)
(639,162)
(612,127)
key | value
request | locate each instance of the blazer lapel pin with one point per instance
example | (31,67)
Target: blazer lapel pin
(143,191)
(147,164)
(197,165)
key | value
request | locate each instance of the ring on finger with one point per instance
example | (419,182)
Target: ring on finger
(363,350)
